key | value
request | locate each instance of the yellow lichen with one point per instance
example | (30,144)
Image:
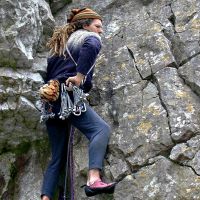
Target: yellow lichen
(188,190)
(144,126)
(190,108)
(153,110)
(106,78)
(140,61)
(180,28)
(123,66)
(156,28)
(196,24)
(130,117)
(166,58)
(181,94)
(142,174)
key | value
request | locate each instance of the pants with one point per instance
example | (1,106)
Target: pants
(92,126)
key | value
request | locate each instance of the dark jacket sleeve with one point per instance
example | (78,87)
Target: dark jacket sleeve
(87,86)
(88,54)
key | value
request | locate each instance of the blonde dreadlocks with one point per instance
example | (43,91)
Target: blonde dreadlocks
(57,43)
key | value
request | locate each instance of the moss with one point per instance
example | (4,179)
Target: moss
(13,171)
(2,183)
(4,147)
(7,62)
(43,151)
(67,1)
(9,193)
(22,148)
(3,150)
(41,145)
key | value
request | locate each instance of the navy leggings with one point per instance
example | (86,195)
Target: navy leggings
(92,126)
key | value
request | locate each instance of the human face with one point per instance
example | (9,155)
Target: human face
(95,26)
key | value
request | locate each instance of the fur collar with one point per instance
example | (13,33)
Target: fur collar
(77,38)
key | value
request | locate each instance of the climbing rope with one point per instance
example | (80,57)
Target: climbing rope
(69,166)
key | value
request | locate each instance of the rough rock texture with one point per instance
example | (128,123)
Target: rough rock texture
(162,179)
(24,25)
(146,86)
(55,5)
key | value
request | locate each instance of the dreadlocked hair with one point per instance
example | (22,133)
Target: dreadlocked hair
(57,43)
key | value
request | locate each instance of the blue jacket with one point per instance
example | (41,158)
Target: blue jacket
(84,47)
(84,53)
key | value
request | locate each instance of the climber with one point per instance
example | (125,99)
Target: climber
(73,51)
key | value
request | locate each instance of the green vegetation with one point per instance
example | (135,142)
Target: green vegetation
(20,149)
(67,1)
(42,148)
(13,171)
(7,62)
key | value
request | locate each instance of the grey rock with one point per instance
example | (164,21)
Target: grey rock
(162,180)
(190,72)
(188,153)
(118,167)
(187,26)
(30,179)
(18,93)
(181,104)
(23,27)
(195,163)
(143,121)
(182,152)
(146,86)
(56,5)
(40,64)
(6,172)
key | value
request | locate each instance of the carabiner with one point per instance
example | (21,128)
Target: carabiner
(83,107)
(77,111)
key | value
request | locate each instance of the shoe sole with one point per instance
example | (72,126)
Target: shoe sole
(94,191)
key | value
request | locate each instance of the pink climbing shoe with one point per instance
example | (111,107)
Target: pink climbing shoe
(99,187)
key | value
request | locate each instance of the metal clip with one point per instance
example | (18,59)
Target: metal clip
(66,103)
(83,108)
(46,111)
(79,100)
(77,110)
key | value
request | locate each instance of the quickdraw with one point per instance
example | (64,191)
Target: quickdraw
(67,106)
(79,101)
(46,111)
(66,103)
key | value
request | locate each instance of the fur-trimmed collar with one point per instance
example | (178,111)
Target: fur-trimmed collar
(77,38)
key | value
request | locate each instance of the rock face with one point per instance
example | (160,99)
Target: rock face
(24,24)
(146,86)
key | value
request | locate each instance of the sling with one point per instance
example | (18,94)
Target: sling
(70,55)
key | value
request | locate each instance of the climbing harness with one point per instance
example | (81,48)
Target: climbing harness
(67,106)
